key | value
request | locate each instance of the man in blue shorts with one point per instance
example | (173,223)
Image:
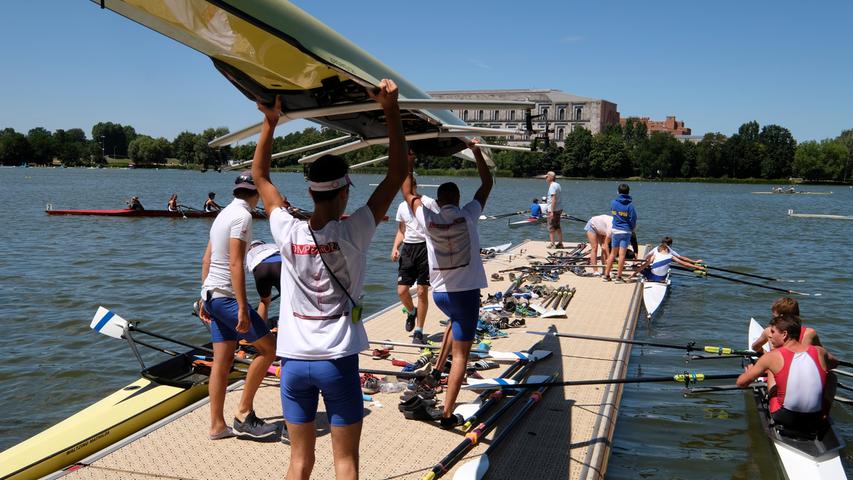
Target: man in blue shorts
(624,223)
(456,269)
(231,318)
(323,265)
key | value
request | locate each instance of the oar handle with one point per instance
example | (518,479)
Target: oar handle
(184,344)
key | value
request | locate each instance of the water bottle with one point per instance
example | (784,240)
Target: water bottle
(392,387)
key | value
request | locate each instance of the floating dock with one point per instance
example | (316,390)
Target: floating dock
(568,435)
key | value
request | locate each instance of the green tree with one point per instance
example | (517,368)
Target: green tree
(779,147)
(183,147)
(14,148)
(846,138)
(206,156)
(72,146)
(689,153)
(145,150)
(112,138)
(576,150)
(808,161)
(609,156)
(43,145)
(709,155)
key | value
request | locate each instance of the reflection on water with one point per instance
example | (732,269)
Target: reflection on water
(55,271)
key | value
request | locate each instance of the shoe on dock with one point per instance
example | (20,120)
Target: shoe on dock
(254,427)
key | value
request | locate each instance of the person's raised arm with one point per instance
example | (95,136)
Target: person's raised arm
(486,181)
(384,194)
(758,345)
(408,190)
(270,195)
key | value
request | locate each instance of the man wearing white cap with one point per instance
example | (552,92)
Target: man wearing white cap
(231,318)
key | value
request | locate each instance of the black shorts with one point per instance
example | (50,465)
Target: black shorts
(267,275)
(413,264)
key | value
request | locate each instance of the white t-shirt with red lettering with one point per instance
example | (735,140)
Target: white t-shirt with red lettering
(315,317)
(453,245)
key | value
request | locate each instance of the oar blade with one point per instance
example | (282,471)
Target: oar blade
(557,312)
(537,355)
(467,410)
(473,470)
(513,356)
(108,323)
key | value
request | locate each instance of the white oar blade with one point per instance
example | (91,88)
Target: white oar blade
(487,383)
(554,313)
(467,410)
(539,308)
(108,323)
(473,470)
(508,356)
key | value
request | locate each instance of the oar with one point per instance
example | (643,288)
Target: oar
(572,217)
(477,468)
(690,347)
(501,215)
(496,355)
(771,279)
(108,323)
(686,378)
(473,437)
(736,280)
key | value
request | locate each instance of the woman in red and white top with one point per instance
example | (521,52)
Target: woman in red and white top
(798,386)
(324,260)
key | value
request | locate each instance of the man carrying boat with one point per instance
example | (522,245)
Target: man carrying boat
(655,267)
(786,306)
(264,261)
(797,388)
(555,210)
(324,261)
(597,231)
(456,269)
(624,223)
(231,317)
(413,266)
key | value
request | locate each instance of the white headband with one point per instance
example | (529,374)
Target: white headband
(330,185)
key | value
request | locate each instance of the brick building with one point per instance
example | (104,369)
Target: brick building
(670,125)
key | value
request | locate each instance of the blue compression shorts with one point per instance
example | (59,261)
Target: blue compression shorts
(223,328)
(463,309)
(620,240)
(338,380)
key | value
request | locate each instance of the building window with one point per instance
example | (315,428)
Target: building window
(545,111)
(578,112)
(560,134)
(480,115)
(512,115)
(497,114)
(561,114)
(465,115)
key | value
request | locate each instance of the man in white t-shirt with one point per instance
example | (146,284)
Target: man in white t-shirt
(231,318)
(413,266)
(456,269)
(555,211)
(323,265)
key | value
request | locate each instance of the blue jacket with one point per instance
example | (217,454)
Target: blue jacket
(535,210)
(624,215)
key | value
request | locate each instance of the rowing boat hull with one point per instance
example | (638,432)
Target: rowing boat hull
(142,213)
(792,193)
(800,459)
(654,294)
(527,222)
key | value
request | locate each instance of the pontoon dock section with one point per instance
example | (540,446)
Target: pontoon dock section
(567,436)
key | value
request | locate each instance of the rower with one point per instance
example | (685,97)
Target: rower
(413,266)
(323,268)
(210,205)
(597,231)
(535,209)
(798,385)
(786,306)
(456,269)
(682,257)
(231,318)
(655,267)
(264,261)
(172,205)
(543,204)
(135,204)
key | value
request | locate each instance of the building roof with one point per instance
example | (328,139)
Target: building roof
(534,95)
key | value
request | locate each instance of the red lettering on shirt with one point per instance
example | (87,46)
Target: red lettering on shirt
(309,249)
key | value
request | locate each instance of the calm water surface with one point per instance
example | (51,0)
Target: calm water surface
(56,271)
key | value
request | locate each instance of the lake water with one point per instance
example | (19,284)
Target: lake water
(56,271)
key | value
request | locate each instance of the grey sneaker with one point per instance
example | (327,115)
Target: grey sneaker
(418,337)
(254,427)
(410,319)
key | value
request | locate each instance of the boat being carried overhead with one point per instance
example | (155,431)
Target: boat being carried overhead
(814,456)
(129,212)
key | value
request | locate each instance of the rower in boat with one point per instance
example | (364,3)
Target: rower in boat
(535,209)
(135,204)
(786,306)
(210,204)
(655,267)
(543,204)
(597,231)
(172,204)
(799,389)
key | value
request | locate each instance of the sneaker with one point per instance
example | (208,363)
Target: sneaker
(605,278)
(452,421)
(418,337)
(369,384)
(560,246)
(254,427)
(226,433)
(410,319)
(419,364)
(619,280)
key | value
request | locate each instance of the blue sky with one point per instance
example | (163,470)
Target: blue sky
(715,65)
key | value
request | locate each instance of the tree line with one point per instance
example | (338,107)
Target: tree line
(768,152)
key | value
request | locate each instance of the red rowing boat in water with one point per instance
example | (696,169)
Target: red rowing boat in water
(126,212)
